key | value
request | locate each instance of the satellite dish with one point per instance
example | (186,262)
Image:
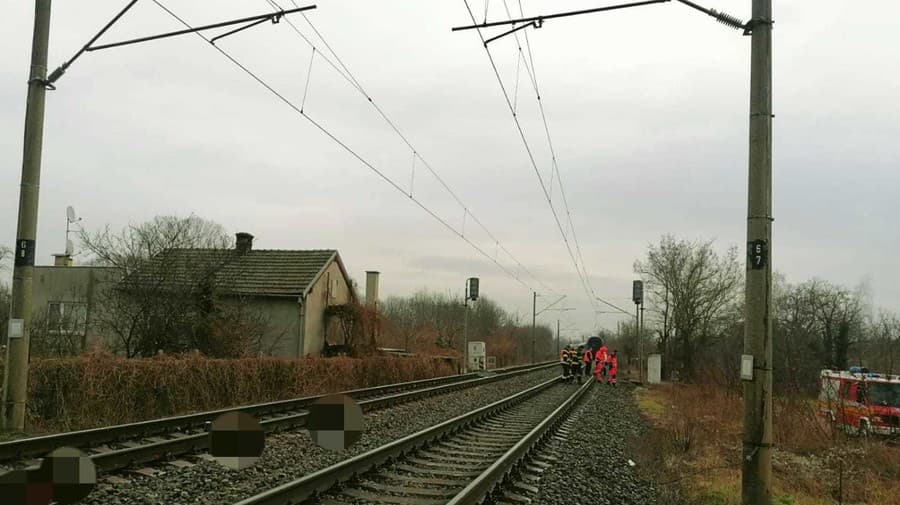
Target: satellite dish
(69,247)
(70,214)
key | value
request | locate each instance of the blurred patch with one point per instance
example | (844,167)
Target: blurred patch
(65,476)
(236,440)
(72,473)
(335,422)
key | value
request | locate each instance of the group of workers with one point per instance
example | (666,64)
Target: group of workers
(604,365)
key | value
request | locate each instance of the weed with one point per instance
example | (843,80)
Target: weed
(699,430)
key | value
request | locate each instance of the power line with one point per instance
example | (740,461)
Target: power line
(343,145)
(555,167)
(528,150)
(416,154)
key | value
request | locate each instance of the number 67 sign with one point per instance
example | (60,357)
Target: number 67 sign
(757,254)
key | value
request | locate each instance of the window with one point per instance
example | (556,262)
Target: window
(67,317)
(885,394)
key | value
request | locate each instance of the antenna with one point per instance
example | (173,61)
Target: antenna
(70,218)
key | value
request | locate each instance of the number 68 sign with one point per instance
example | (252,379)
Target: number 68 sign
(757,254)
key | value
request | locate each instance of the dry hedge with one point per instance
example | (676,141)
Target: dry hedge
(101,390)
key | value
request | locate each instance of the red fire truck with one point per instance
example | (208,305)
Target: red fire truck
(860,401)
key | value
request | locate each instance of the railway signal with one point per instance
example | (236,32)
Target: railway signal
(471,294)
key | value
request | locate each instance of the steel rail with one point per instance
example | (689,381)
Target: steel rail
(37,446)
(184,429)
(161,449)
(324,479)
(491,479)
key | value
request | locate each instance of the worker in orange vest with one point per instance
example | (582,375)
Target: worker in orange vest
(613,361)
(601,362)
(564,360)
(588,358)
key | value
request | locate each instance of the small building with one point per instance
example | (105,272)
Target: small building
(291,288)
(64,297)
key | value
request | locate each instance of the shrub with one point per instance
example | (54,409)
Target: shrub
(99,389)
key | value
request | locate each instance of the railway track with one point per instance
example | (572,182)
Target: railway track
(115,447)
(464,460)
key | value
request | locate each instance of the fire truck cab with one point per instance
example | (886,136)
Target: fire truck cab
(860,401)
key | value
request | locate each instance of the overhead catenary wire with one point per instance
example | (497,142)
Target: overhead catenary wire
(350,78)
(281,97)
(529,152)
(532,72)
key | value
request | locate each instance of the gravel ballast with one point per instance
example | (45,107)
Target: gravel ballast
(291,455)
(593,461)
(532,410)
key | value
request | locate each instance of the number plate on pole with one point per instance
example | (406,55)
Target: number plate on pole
(747,367)
(16,328)
(24,253)
(757,254)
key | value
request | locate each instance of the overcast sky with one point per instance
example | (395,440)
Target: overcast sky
(647,109)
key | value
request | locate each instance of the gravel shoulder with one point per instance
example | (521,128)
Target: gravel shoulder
(593,460)
(293,454)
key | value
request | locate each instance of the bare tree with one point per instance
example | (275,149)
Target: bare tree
(691,289)
(60,328)
(884,348)
(440,318)
(5,254)
(172,293)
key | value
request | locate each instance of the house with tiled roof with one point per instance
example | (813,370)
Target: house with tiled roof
(291,289)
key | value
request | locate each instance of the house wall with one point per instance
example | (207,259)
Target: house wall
(320,297)
(293,330)
(282,337)
(72,285)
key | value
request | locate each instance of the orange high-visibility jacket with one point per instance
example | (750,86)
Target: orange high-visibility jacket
(613,364)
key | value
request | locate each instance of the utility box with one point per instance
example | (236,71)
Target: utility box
(491,362)
(654,369)
(477,356)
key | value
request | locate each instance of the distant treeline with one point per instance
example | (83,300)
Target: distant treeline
(695,318)
(429,321)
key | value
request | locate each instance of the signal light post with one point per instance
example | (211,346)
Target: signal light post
(471,294)
(637,295)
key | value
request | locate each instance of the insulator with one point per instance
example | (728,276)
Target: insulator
(728,20)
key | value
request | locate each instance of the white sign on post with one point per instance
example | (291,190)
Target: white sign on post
(16,328)
(747,367)
(654,369)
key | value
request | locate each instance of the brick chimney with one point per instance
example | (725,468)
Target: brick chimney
(243,242)
(62,260)
(372,288)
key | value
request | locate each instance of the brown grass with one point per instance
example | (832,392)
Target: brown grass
(100,390)
(698,429)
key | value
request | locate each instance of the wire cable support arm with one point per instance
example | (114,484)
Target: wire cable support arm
(274,16)
(549,307)
(242,28)
(535,24)
(56,74)
(540,19)
(620,309)
(251,21)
